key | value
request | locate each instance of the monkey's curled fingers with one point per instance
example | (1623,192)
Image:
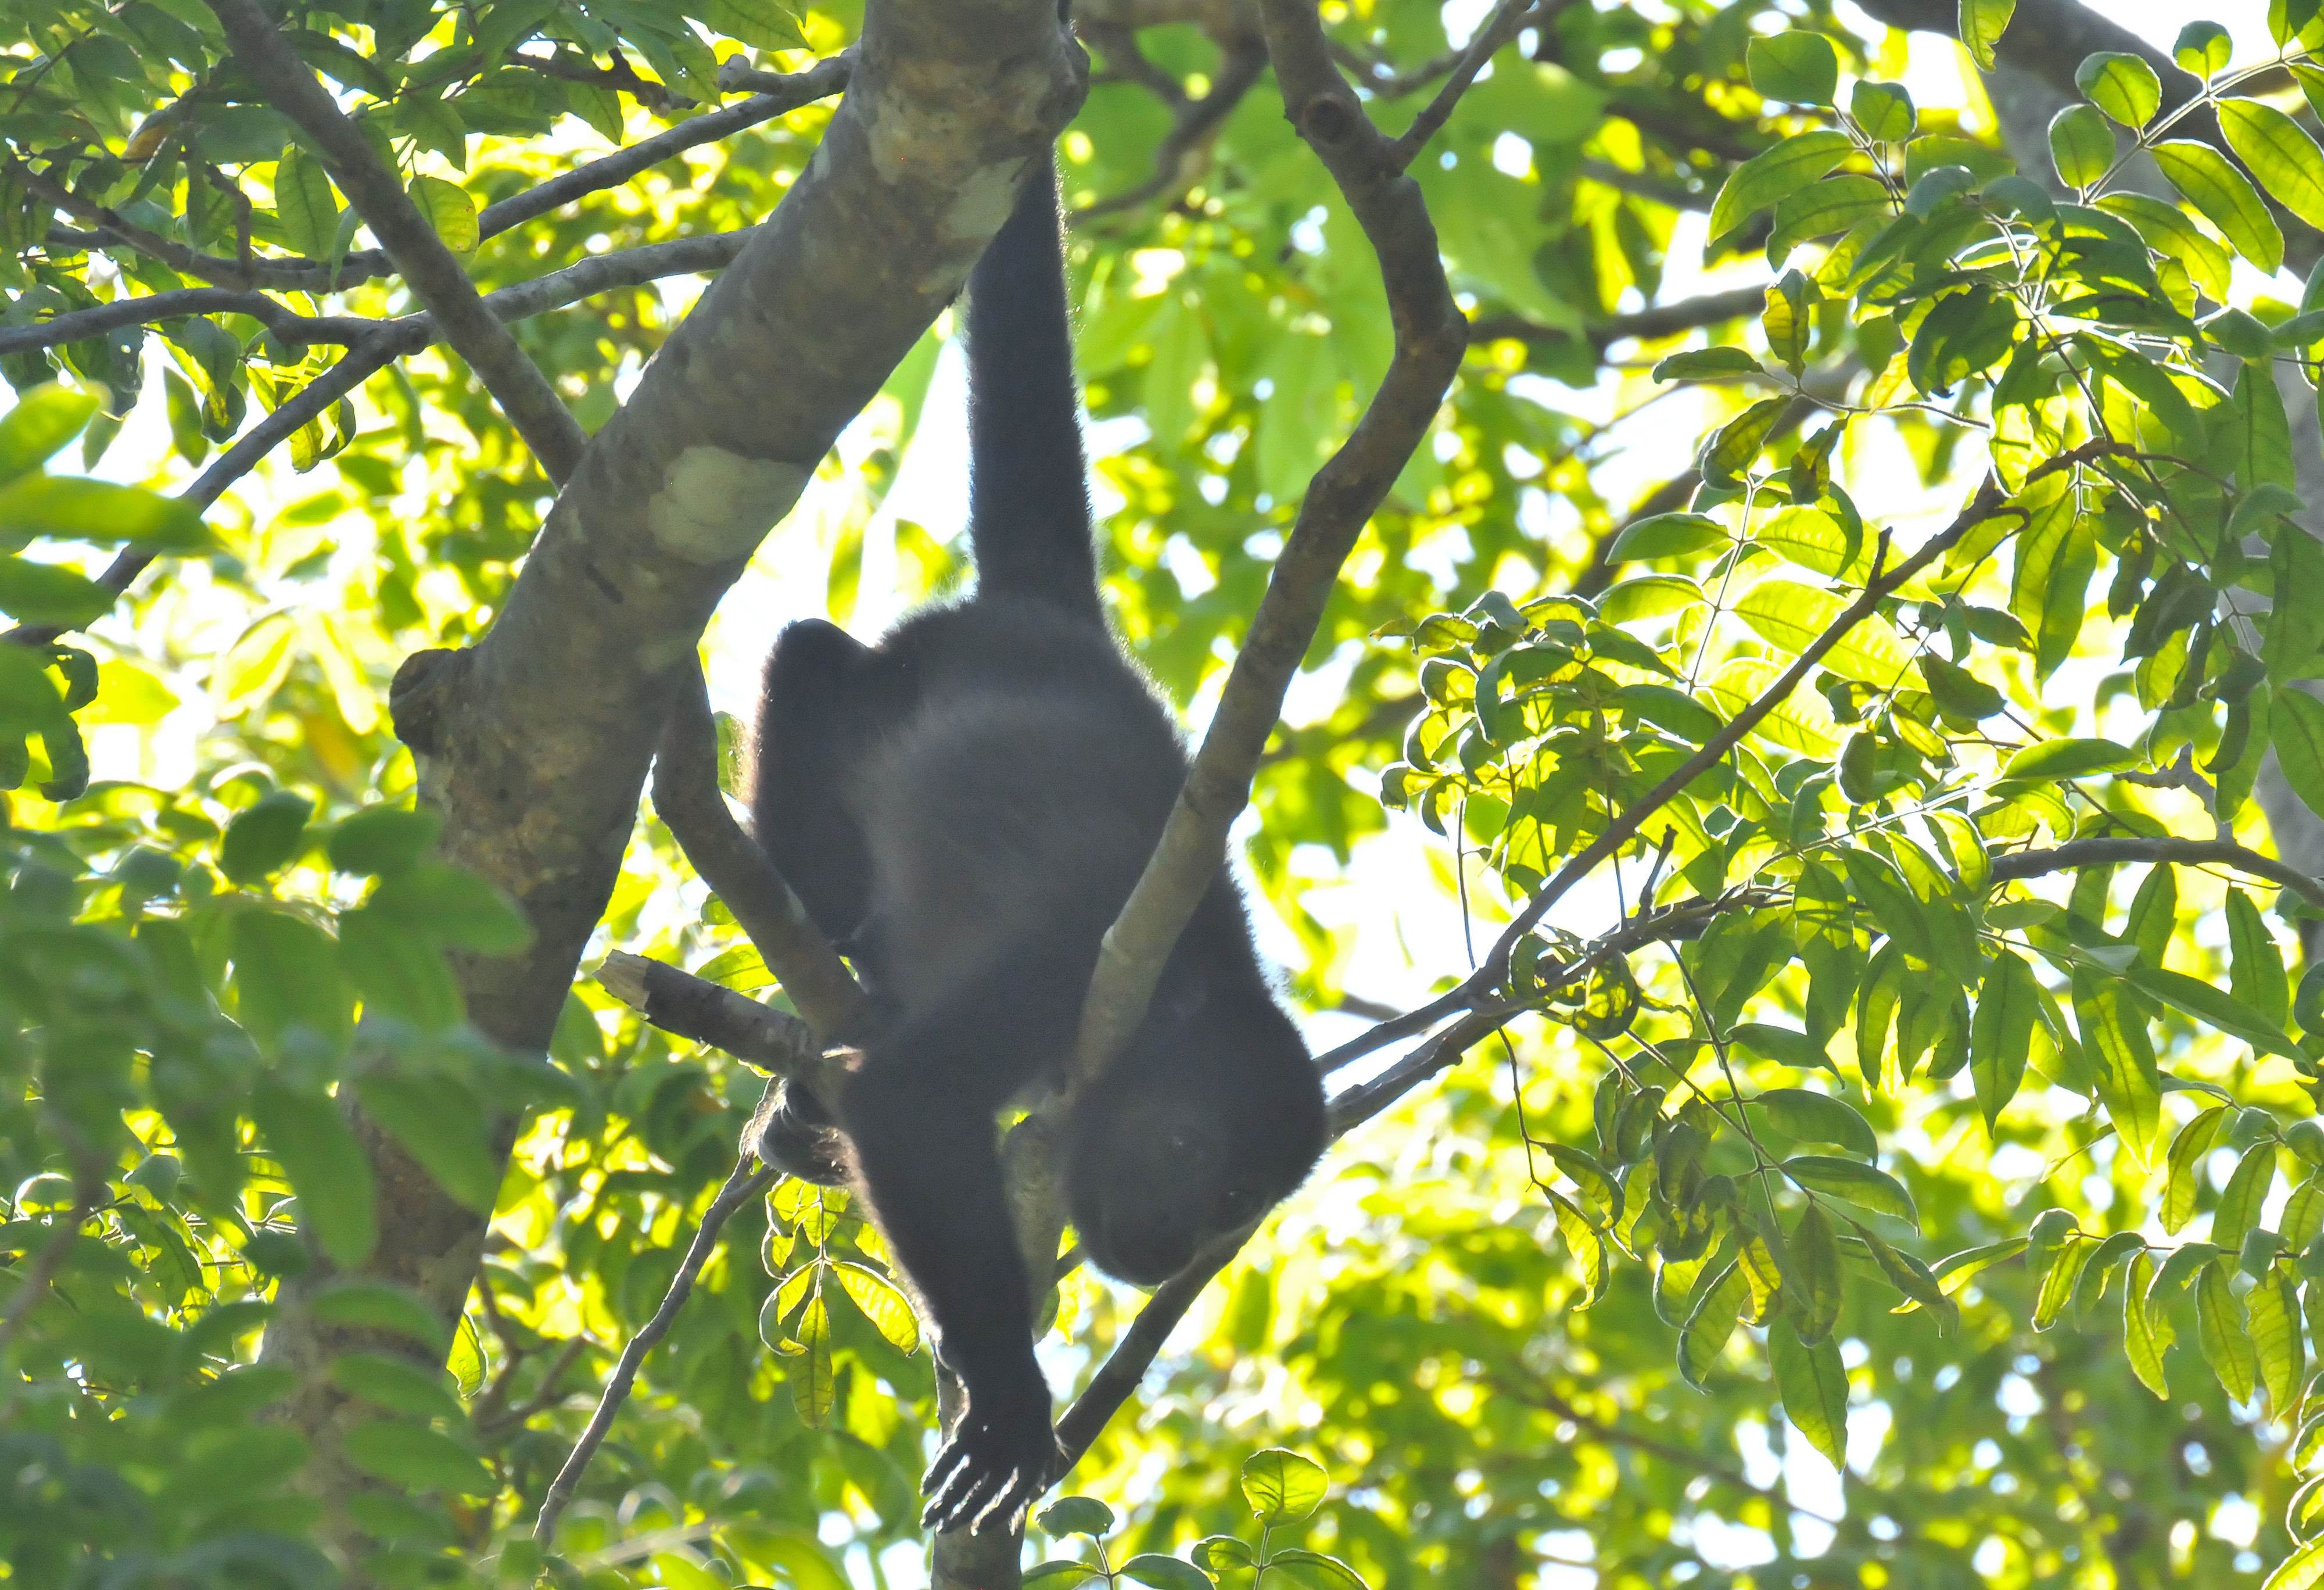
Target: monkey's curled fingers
(989,1472)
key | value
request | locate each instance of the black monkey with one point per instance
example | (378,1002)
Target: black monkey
(965,807)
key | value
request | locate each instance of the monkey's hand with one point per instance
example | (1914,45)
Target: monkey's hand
(998,1458)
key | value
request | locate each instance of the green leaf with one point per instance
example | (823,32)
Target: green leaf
(1075,1515)
(2057,1287)
(417,1459)
(378,1305)
(399,970)
(1717,1308)
(1915,1280)
(1283,1487)
(2296,730)
(1816,1290)
(2302,1570)
(1884,110)
(49,593)
(1793,615)
(2056,555)
(2166,229)
(1982,23)
(1818,1117)
(1061,1575)
(2282,156)
(2219,1329)
(2225,197)
(2001,1033)
(397,1385)
(304,203)
(813,1385)
(75,508)
(1860,1184)
(2274,1315)
(1819,210)
(444,1128)
(44,421)
(762,24)
(310,1139)
(2295,628)
(2123,86)
(2143,1338)
(882,1304)
(2081,145)
(285,977)
(381,841)
(2240,1200)
(448,211)
(451,905)
(1814,1386)
(2213,1007)
(2186,1158)
(2115,1040)
(1168,1573)
(1764,178)
(1667,535)
(1959,693)
(1735,445)
(263,840)
(2069,758)
(2202,48)
(1789,319)
(1315,1570)
(1796,68)
(2089,1292)
(1706,363)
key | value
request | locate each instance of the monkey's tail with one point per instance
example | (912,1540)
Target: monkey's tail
(1028,487)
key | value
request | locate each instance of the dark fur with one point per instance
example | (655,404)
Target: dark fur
(966,805)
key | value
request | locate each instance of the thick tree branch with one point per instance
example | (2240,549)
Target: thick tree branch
(681,1003)
(686,794)
(2091,853)
(1430,336)
(514,381)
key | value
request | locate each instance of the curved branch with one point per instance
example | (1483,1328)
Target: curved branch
(1504,26)
(687,796)
(2091,852)
(1242,61)
(514,381)
(1429,337)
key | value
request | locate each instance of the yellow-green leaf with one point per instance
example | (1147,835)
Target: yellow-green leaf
(2187,1151)
(2001,1033)
(2296,730)
(2219,1328)
(882,1304)
(1283,1486)
(2302,1570)
(812,1383)
(1792,615)
(2143,1337)
(2275,1334)
(1784,169)
(2081,145)
(1982,23)
(2167,230)
(2123,86)
(304,204)
(2245,1192)
(2282,156)
(1817,1290)
(2226,198)
(447,209)
(1814,1386)
(1716,1312)
(2058,1281)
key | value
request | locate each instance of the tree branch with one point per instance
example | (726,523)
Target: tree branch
(2091,852)
(1178,159)
(622,78)
(741,1188)
(514,381)
(686,794)
(1650,324)
(678,1002)
(1513,15)
(1430,336)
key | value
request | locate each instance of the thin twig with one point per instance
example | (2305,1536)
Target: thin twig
(742,1186)
(1503,27)
(506,371)
(1242,61)
(2091,852)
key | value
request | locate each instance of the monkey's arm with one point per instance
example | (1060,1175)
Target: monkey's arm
(919,1111)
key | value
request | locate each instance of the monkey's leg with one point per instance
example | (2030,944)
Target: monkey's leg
(818,710)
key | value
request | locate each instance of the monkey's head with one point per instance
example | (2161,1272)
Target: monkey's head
(1212,1115)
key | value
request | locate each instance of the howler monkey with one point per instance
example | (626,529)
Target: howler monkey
(965,807)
